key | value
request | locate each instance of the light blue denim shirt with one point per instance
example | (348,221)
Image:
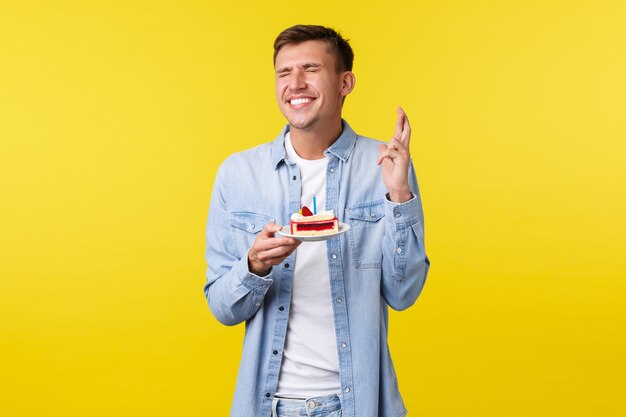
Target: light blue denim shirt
(379,262)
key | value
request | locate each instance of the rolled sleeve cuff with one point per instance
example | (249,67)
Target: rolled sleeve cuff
(250,280)
(403,214)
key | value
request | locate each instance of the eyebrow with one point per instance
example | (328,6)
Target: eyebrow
(305,66)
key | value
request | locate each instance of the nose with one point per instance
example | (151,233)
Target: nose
(297,81)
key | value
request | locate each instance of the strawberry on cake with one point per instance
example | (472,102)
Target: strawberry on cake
(309,224)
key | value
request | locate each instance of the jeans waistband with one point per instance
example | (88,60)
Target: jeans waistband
(308,406)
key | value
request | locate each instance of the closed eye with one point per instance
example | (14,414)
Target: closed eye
(311,67)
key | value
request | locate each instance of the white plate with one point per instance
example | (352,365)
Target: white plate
(343,228)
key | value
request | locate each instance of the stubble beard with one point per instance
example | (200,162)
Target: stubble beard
(302,124)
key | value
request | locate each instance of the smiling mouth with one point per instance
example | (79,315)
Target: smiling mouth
(300,101)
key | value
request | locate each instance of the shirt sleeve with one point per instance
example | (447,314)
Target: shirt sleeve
(234,294)
(405,264)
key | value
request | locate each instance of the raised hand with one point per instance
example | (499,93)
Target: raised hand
(395,160)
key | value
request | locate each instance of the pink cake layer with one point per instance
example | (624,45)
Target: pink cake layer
(315,227)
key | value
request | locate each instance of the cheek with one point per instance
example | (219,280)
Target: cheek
(331,90)
(329,86)
(280,88)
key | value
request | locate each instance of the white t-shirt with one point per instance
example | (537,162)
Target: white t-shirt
(310,365)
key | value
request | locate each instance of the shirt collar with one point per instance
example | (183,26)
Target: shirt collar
(341,148)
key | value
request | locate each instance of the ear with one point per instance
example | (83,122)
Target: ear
(347,83)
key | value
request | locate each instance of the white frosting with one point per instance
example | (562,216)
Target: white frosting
(322,215)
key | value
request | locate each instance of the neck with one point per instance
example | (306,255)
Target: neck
(311,143)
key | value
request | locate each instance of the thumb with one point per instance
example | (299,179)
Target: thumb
(271,228)
(381,150)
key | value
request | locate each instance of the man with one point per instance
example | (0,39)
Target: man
(316,312)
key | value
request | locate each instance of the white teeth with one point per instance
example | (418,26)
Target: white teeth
(296,101)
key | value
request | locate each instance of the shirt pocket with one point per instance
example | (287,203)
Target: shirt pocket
(365,236)
(245,226)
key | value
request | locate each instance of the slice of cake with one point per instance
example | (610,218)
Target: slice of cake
(309,224)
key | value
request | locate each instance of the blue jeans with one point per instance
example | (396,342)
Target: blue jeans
(324,406)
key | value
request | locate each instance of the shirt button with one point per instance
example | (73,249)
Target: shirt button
(334,256)
(286,265)
(347,389)
(399,250)
(332,170)
(372,214)
(267,394)
(294,178)
(275,352)
(344,345)
(252,227)
(281,308)
(398,214)
(258,304)
(338,300)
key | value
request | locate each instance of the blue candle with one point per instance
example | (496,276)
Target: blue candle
(314,205)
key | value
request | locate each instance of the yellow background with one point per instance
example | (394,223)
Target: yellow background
(114,116)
